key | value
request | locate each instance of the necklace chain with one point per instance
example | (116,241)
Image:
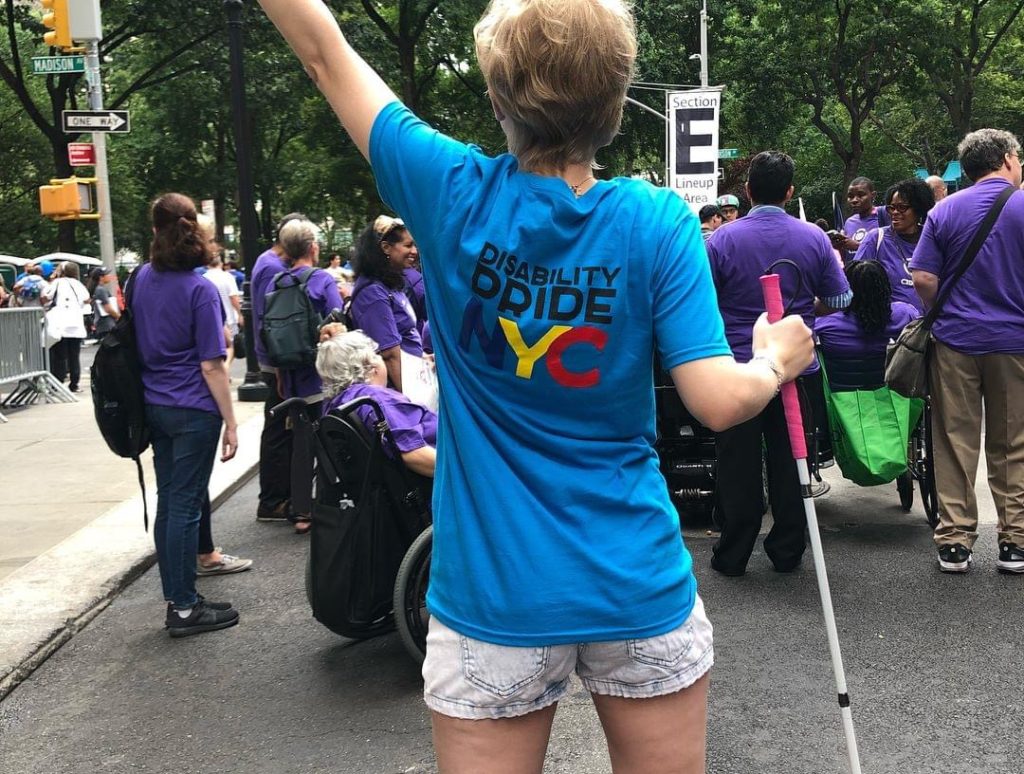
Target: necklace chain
(576,188)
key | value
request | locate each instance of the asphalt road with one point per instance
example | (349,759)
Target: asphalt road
(933,661)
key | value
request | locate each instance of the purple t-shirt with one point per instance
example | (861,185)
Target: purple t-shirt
(417,297)
(741,251)
(428,342)
(179,322)
(857,226)
(386,316)
(985,312)
(840,334)
(323,292)
(268,265)
(894,254)
(413,426)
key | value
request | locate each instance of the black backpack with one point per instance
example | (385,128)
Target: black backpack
(117,393)
(291,326)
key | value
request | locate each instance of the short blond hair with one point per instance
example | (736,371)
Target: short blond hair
(558,70)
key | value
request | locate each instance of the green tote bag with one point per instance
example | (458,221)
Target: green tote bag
(870,431)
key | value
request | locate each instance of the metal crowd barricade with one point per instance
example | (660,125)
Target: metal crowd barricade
(25,359)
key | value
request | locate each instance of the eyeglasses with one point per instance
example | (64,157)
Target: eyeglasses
(900,208)
(385,224)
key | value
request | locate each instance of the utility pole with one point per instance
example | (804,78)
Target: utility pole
(704,45)
(99,141)
(253,389)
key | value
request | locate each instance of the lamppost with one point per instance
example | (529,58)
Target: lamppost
(252,389)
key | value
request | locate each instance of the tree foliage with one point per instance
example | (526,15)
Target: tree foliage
(846,86)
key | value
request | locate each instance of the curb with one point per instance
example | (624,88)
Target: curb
(29,585)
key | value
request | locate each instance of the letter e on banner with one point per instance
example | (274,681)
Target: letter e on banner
(693,145)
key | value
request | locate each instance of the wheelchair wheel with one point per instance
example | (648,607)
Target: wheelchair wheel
(905,486)
(926,470)
(411,617)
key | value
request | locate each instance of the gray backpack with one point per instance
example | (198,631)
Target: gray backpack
(291,326)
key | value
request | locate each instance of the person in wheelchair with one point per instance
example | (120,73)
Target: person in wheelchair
(865,328)
(351,367)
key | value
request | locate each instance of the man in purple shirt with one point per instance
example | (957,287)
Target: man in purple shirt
(740,252)
(276,439)
(298,240)
(979,351)
(865,216)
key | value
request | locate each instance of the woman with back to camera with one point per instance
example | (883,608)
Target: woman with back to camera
(873,319)
(179,324)
(380,306)
(69,295)
(549,292)
(908,203)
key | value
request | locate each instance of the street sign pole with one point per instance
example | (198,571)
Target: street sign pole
(704,45)
(99,140)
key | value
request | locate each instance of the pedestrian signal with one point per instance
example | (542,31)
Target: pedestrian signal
(73,198)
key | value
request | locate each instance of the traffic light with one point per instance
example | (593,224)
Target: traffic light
(58,20)
(72,198)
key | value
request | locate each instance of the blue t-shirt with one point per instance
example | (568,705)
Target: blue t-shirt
(552,523)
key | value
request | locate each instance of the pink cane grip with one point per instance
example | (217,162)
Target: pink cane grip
(790,400)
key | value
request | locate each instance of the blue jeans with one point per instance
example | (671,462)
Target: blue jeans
(184,448)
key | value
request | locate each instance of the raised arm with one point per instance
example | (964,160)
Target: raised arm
(353,89)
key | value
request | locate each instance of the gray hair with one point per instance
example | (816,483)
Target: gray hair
(297,238)
(983,151)
(344,360)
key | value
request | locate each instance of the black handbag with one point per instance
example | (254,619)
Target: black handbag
(906,361)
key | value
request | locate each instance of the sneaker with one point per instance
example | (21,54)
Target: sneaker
(819,488)
(228,564)
(204,600)
(203,618)
(280,513)
(955,558)
(1011,558)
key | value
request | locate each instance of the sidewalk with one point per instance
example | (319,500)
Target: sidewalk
(71,533)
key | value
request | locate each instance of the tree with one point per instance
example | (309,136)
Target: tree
(837,58)
(953,42)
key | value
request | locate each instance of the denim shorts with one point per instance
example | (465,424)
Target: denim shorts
(474,680)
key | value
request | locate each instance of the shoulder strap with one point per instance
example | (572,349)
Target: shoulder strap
(971,253)
(305,276)
(128,284)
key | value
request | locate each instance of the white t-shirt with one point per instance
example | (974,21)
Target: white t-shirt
(70,296)
(228,288)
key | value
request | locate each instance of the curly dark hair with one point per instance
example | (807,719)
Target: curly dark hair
(179,244)
(372,262)
(872,295)
(915,192)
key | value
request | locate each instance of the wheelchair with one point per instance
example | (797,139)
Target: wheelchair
(688,459)
(856,374)
(371,540)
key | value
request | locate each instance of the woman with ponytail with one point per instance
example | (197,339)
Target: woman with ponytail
(872,319)
(179,323)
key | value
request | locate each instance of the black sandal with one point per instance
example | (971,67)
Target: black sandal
(303,524)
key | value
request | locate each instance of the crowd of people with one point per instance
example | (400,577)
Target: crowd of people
(548,293)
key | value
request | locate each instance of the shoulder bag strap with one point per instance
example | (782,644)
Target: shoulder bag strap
(970,254)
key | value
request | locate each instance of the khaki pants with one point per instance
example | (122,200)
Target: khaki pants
(958,384)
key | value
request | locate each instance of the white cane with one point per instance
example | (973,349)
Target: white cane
(794,420)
